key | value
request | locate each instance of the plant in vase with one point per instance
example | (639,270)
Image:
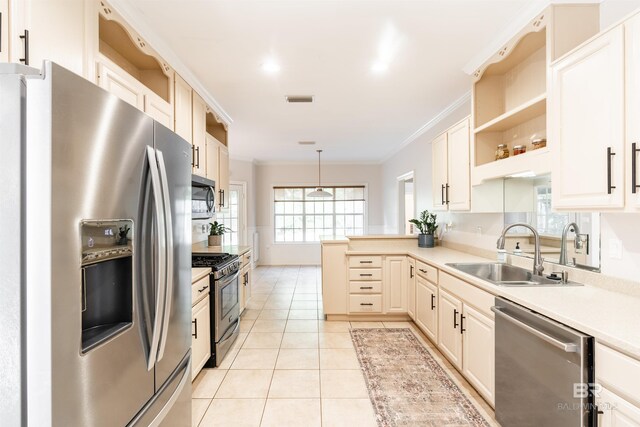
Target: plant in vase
(216,231)
(427,226)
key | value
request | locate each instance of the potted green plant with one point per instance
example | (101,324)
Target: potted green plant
(216,231)
(427,226)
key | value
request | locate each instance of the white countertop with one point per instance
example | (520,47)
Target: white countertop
(611,317)
(199,273)
(202,248)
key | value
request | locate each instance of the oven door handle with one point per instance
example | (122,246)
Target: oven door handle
(566,347)
(221,283)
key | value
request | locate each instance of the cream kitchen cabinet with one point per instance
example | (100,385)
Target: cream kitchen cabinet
(451,169)
(212,164)
(223,171)
(587,125)
(199,158)
(632,103)
(427,308)
(449,335)
(395,284)
(4,30)
(619,397)
(478,367)
(200,324)
(182,103)
(159,109)
(411,289)
(121,84)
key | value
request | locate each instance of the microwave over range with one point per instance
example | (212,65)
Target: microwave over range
(203,197)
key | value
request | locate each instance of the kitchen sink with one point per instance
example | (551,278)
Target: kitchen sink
(506,275)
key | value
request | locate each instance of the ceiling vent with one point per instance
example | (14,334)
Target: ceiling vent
(307,142)
(298,99)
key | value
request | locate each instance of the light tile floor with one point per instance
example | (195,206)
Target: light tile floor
(289,367)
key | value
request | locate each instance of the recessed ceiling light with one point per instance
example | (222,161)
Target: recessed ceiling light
(379,67)
(270,66)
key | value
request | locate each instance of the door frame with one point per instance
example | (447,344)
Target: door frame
(401,180)
(242,236)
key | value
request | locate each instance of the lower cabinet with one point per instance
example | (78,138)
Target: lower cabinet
(200,336)
(616,411)
(426,308)
(449,331)
(245,287)
(411,289)
(395,284)
(478,351)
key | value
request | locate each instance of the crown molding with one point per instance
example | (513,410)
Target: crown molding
(136,19)
(429,125)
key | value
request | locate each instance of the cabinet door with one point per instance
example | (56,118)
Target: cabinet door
(478,351)
(4,30)
(212,160)
(616,411)
(439,168)
(395,284)
(242,296)
(587,125)
(411,289)
(223,177)
(459,181)
(121,85)
(427,308)
(200,336)
(183,117)
(199,135)
(449,336)
(159,109)
(632,93)
(247,290)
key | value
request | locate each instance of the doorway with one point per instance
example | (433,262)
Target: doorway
(406,203)
(235,217)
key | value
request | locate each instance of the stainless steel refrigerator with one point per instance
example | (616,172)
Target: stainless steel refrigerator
(95,257)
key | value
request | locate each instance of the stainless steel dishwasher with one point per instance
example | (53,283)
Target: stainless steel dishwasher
(544,370)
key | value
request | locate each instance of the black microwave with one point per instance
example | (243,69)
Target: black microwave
(203,197)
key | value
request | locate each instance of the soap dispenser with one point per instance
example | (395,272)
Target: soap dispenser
(517,250)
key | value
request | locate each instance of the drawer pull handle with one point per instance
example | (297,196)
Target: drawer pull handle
(365,275)
(202,290)
(366,303)
(433,302)
(366,262)
(195,334)
(462,329)
(366,287)
(455,318)
(423,270)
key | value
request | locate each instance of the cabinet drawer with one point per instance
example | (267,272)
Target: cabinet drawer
(246,259)
(365,303)
(365,287)
(428,272)
(365,261)
(618,372)
(365,274)
(199,290)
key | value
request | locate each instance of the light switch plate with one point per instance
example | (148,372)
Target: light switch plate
(615,249)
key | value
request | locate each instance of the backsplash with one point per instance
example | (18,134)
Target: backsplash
(200,229)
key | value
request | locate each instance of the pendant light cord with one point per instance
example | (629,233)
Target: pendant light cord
(319,180)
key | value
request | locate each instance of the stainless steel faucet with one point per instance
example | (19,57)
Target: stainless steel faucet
(537,261)
(577,243)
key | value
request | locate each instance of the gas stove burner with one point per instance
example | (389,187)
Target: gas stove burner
(222,264)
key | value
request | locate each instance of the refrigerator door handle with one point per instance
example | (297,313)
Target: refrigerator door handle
(168,223)
(161,253)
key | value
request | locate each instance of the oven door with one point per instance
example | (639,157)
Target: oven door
(227,307)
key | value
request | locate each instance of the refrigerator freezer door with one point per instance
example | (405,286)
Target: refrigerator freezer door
(97,155)
(176,170)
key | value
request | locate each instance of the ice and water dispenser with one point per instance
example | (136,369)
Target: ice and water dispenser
(107,280)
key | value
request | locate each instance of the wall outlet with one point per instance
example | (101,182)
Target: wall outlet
(204,228)
(615,249)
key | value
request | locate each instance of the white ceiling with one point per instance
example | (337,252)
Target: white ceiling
(326,49)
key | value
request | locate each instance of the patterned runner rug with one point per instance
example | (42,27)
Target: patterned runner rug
(407,386)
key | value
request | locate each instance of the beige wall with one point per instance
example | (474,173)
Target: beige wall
(611,11)
(270,175)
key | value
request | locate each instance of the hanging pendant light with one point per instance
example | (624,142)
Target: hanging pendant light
(319,192)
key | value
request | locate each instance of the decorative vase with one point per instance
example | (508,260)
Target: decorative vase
(425,241)
(215,240)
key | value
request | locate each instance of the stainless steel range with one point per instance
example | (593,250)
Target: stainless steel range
(225,316)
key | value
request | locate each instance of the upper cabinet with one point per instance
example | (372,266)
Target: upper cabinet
(129,57)
(4,30)
(509,96)
(183,109)
(595,98)
(450,166)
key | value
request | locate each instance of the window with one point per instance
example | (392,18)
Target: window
(231,217)
(299,218)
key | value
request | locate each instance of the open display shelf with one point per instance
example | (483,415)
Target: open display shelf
(521,114)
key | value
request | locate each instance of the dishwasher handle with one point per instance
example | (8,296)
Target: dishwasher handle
(566,347)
